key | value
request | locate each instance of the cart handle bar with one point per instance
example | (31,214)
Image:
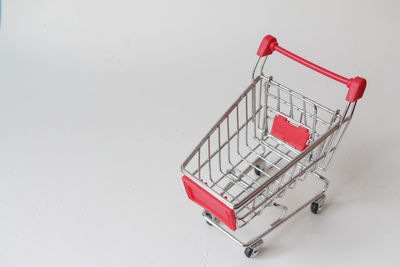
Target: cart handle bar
(356,85)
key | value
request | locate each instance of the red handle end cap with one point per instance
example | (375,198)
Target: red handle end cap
(356,88)
(267,46)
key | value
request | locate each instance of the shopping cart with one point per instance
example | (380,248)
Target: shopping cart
(270,139)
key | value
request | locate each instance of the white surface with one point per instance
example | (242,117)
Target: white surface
(101,101)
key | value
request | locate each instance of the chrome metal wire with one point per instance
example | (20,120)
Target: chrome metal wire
(243,165)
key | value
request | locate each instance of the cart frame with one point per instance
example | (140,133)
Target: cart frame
(302,151)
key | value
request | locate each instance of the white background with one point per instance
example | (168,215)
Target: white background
(101,101)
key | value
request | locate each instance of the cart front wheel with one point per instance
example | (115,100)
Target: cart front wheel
(317,205)
(249,252)
(208,215)
(253,250)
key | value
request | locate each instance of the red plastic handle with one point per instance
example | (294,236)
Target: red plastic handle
(356,85)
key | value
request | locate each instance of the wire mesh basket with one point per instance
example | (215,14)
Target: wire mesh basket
(270,139)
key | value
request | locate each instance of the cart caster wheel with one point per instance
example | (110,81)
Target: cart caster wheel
(252,251)
(257,170)
(317,205)
(249,252)
(210,216)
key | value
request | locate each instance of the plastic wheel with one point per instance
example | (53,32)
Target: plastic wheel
(257,170)
(209,216)
(253,250)
(249,252)
(316,206)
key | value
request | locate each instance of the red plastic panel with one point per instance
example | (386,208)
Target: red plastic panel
(294,136)
(210,203)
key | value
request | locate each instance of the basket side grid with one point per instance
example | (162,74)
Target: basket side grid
(241,141)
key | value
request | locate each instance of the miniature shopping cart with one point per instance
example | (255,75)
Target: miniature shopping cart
(269,140)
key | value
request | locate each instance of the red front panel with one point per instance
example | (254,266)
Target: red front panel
(197,194)
(294,136)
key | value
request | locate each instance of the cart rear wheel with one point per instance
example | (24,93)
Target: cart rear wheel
(318,204)
(257,170)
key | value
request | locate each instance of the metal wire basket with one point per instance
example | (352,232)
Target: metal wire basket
(270,139)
